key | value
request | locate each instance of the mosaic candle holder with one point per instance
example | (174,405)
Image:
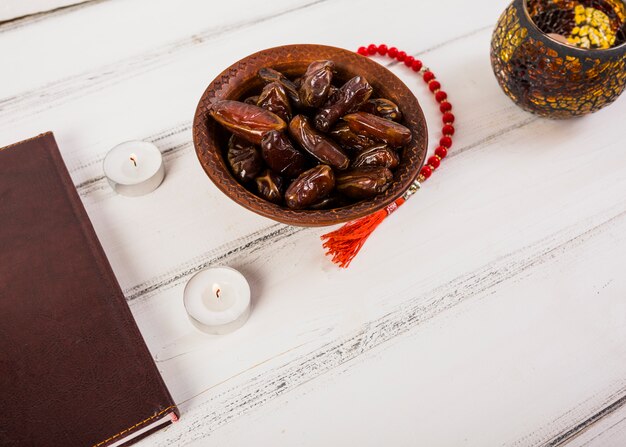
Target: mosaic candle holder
(561,58)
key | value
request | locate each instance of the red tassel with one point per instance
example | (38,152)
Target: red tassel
(344,244)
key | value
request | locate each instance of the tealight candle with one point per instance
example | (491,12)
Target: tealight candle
(217,300)
(134,168)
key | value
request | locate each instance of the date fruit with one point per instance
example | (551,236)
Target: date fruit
(270,186)
(322,148)
(394,134)
(349,97)
(384,108)
(332,201)
(271,75)
(342,134)
(274,99)
(244,159)
(281,156)
(246,120)
(310,187)
(363,183)
(316,83)
(312,141)
(252,100)
(379,155)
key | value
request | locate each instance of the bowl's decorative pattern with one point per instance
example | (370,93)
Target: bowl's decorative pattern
(240,79)
(551,78)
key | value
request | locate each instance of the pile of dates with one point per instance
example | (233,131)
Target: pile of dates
(310,144)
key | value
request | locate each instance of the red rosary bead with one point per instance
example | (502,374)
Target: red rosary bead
(401,56)
(409,61)
(426,171)
(448,118)
(446,142)
(393,52)
(434,86)
(429,76)
(372,49)
(382,49)
(434,162)
(448,130)
(441,152)
(362,51)
(441,96)
(416,65)
(445,107)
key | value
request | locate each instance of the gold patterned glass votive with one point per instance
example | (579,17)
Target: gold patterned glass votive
(561,58)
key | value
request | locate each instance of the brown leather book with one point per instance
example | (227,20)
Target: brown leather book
(74,369)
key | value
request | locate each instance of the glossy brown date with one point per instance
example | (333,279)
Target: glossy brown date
(332,201)
(252,100)
(322,148)
(349,97)
(342,134)
(274,98)
(382,107)
(244,158)
(332,92)
(281,156)
(379,155)
(396,135)
(271,75)
(316,83)
(363,183)
(310,187)
(269,186)
(248,121)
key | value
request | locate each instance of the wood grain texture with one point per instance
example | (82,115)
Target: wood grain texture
(608,430)
(15,9)
(487,311)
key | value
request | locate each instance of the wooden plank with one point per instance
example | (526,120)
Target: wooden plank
(127,51)
(608,430)
(14,9)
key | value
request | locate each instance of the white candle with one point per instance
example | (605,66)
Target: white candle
(134,168)
(217,300)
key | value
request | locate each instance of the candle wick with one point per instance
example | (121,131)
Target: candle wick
(217,293)
(133,159)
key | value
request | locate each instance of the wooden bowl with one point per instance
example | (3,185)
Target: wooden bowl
(240,80)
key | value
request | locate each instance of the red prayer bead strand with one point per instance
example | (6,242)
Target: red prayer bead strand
(434,86)
(447,130)
(441,97)
(434,161)
(428,76)
(441,152)
(446,142)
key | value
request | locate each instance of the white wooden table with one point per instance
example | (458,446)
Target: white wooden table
(489,311)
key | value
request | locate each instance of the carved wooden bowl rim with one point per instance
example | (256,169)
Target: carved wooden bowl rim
(238,79)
